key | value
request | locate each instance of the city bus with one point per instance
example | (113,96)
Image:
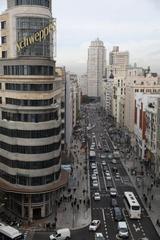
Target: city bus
(10,233)
(132,205)
(92,156)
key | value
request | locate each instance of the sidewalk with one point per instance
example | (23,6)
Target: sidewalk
(75,211)
(145,187)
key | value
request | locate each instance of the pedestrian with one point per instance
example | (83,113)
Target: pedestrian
(149,206)
(158,222)
(152,197)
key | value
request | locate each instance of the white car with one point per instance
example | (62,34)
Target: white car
(114,161)
(108,176)
(97,196)
(102,156)
(95,171)
(99,236)
(94,176)
(103,163)
(94,225)
(113,192)
(95,183)
(61,234)
(93,166)
(117,175)
(92,148)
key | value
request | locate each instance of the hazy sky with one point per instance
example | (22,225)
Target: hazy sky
(134,25)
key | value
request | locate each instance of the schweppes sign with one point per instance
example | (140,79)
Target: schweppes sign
(36,37)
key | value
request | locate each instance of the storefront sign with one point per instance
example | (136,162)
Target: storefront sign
(36,37)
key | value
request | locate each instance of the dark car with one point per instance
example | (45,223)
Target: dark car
(118,215)
(114,169)
(114,202)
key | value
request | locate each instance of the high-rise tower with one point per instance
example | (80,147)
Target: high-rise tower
(30,110)
(118,58)
(96,67)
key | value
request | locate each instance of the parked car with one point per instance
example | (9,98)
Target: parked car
(61,234)
(94,176)
(117,213)
(97,196)
(108,176)
(94,225)
(122,229)
(113,192)
(102,156)
(117,175)
(95,171)
(95,183)
(103,163)
(114,161)
(114,202)
(99,236)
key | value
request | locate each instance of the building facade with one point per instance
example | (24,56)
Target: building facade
(83,84)
(133,85)
(30,111)
(72,105)
(96,68)
(118,58)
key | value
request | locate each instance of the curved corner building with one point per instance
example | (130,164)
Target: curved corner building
(30,110)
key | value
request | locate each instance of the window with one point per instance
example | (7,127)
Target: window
(30,133)
(4,54)
(3,24)
(28,70)
(29,181)
(32,2)
(22,117)
(30,149)
(31,102)
(29,87)
(3,39)
(30,165)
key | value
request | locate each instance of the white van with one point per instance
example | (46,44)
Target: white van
(61,234)
(122,229)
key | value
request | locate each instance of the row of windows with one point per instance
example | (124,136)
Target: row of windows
(30,149)
(21,117)
(31,133)
(24,102)
(29,181)
(29,87)
(30,165)
(148,90)
(28,70)
(32,2)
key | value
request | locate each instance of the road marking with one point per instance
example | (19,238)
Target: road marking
(136,228)
(99,185)
(111,176)
(104,177)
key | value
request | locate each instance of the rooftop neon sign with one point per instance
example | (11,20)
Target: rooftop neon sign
(36,37)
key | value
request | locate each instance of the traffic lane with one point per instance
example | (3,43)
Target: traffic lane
(112,225)
(79,234)
(141,227)
(149,229)
(98,214)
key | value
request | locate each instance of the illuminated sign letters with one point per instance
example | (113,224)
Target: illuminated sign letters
(36,37)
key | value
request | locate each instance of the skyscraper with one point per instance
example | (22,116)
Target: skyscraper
(118,58)
(30,110)
(95,67)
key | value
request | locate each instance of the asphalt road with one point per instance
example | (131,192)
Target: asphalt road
(102,209)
